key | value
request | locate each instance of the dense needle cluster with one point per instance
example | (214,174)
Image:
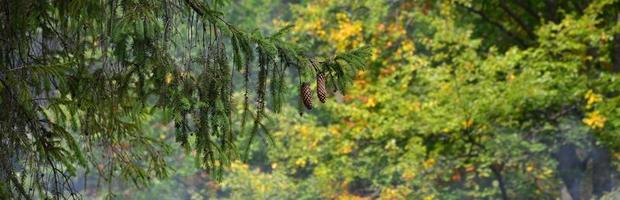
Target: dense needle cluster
(77,78)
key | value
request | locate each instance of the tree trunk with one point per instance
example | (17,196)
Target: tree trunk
(570,169)
(601,171)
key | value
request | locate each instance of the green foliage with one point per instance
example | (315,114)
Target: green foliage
(445,114)
(81,78)
(461,100)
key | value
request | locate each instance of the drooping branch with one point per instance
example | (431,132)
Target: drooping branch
(131,39)
(196,7)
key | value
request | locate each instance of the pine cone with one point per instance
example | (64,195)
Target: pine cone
(321,92)
(306,95)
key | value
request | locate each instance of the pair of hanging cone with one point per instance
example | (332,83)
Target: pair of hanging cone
(321,91)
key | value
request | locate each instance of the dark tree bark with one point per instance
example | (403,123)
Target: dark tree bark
(601,171)
(571,169)
(551,10)
(497,170)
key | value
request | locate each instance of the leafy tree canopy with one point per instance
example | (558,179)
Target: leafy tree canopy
(459,102)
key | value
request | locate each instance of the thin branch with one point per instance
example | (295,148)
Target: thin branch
(19,186)
(577,6)
(497,170)
(201,10)
(551,10)
(195,7)
(526,7)
(519,21)
(494,23)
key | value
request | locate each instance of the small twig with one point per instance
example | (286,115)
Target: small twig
(519,21)
(494,23)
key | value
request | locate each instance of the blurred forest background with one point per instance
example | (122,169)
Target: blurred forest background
(459,99)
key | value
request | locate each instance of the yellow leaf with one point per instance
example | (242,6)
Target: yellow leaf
(429,163)
(595,120)
(300,162)
(529,168)
(408,175)
(592,98)
(510,77)
(371,102)
(429,197)
(468,123)
(168,78)
(346,149)
(334,130)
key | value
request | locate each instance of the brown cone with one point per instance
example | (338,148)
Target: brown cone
(321,92)
(306,95)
